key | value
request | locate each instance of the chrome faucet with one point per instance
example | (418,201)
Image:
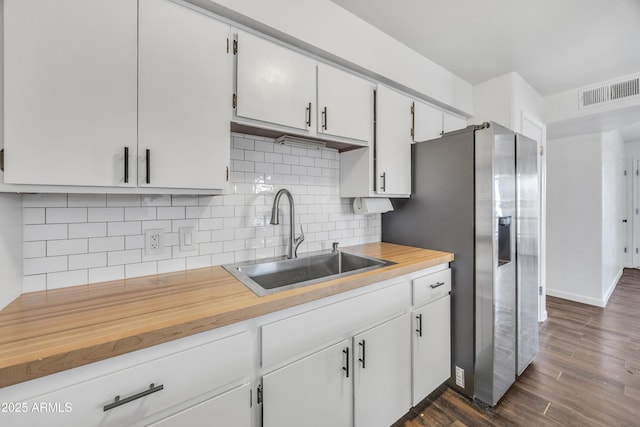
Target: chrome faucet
(294,242)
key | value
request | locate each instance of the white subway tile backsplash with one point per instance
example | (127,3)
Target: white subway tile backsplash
(141,213)
(67,215)
(105,244)
(44,200)
(127,228)
(177,212)
(132,256)
(87,201)
(91,229)
(105,214)
(67,247)
(33,215)
(121,200)
(105,274)
(92,260)
(34,283)
(34,249)
(67,278)
(45,265)
(141,269)
(86,238)
(45,232)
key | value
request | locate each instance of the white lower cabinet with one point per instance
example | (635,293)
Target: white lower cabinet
(313,391)
(431,347)
(143,391)
(227,409)
(382,374)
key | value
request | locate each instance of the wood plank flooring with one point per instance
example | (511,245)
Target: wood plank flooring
(587,372)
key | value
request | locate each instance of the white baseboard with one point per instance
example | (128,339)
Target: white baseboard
(576,297)
(612,286)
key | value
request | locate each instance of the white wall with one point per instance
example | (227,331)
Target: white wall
(327,30)
(10,247)
(74,239)
(585,202)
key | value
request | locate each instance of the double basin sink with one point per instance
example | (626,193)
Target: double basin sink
(275,275)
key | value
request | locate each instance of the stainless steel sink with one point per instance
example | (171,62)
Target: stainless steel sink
(274,275)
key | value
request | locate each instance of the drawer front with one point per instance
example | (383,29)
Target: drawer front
(431,287)
(182,375)
(294,335)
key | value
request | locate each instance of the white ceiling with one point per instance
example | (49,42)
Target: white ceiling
(556,45)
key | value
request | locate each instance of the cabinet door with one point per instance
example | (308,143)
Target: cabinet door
(314,391)
(382,359)
(228,409)
(344,104)
(70,91)
(274,84)
(451,123)
(184,97)
(431,347)
(427,122)
(393,143)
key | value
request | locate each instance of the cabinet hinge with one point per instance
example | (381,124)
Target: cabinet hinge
(2,160)
(235,47)
(234,100)
(540,290)
(227,173)
(542,151)
(625,173)
(259,394)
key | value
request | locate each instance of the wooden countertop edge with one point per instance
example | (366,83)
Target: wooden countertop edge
(31,367)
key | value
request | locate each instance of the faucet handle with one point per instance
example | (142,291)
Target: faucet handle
(334,247)
(297,242)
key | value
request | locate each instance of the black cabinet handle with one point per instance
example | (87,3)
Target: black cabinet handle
(437,285)
(126,165)
(364,352)
(346,368)
(383,185)
(413,120)
(324,118)
(308,123)
(148,164)
(118,402)
(419,319)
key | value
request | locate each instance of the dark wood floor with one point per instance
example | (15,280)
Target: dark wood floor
(587,372)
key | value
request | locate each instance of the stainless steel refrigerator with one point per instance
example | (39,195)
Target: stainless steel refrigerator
(475,193)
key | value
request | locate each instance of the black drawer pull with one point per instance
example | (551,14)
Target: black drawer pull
(419,319)
(118,402)
(364,354)
(437,285)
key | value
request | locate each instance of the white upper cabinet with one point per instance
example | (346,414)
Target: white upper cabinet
(185,80)
(393,143)
(344,105)
(275,85)
(430,122)
(70,92)
(427,122)
(451,123)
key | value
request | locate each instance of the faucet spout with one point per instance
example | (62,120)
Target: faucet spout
(292,250)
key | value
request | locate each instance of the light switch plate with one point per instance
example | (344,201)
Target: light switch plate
(186,239)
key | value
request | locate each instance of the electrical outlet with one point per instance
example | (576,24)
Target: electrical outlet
(459,376)
(153,241)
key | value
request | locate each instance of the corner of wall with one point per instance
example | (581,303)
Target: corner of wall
(10,247)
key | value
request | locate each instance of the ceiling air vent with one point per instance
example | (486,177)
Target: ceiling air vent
(610,91)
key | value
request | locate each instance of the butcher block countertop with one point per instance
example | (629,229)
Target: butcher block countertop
(45,332)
